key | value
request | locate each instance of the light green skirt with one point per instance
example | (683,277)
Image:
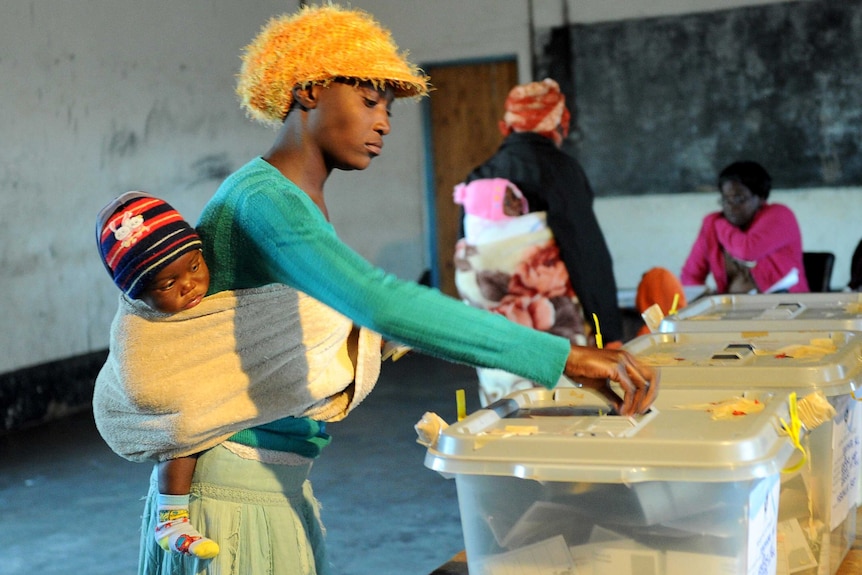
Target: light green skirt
(263,516)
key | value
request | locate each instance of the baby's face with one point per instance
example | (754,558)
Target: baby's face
(179,286)
(512,205)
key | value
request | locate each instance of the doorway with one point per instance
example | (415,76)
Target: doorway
(463,115)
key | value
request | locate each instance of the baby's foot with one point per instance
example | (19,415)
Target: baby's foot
(175,534)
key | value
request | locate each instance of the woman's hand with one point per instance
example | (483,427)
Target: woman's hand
(596,368)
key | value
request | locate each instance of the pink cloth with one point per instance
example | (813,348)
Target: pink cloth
(773,240)
(486,198)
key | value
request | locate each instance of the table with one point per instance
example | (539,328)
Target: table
(852,564)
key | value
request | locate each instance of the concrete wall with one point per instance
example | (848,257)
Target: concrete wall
(101,97)
(104,96)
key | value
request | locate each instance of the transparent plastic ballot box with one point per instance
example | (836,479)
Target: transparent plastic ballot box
(769,312)
(552,481)
(824,495)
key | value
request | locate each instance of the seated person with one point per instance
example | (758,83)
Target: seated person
(750,246)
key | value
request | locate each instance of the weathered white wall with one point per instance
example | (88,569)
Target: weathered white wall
(100,97)
(103,96)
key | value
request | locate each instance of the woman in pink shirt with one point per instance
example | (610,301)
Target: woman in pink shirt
(750,246)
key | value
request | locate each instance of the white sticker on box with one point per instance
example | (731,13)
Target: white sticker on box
(846,430)
(762,526)
(859,452)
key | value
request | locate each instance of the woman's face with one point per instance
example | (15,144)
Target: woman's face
(349,123)
(739,204)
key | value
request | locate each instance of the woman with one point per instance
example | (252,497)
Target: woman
(534,125)
(750,246)
(328,76)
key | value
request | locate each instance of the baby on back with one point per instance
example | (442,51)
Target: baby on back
(494,209)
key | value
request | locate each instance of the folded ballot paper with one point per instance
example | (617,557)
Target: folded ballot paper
(429,428)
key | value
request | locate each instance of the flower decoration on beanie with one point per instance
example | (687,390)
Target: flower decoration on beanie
(138,236)
(315,46)
(538,107)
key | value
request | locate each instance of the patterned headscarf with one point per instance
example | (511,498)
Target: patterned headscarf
(538,107)
(138,236)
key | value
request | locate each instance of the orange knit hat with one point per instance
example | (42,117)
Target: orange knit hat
(658,285)
(315,46)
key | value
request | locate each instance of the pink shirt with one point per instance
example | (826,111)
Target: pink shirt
(773,241)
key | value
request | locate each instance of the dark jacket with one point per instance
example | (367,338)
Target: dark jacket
(554,181)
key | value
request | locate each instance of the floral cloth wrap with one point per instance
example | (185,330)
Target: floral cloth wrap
(518,273)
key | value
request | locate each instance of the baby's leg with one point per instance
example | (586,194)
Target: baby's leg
(173,530)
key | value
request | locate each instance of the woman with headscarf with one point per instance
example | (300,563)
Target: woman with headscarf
(535,123)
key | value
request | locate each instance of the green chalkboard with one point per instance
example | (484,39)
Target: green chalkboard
(660,105)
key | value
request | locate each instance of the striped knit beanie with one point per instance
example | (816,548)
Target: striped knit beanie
(138,236)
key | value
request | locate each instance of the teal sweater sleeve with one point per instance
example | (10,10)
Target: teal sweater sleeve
(260,228)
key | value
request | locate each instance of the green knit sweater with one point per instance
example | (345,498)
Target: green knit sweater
(260,228)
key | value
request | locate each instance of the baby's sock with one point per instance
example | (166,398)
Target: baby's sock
(175,533)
